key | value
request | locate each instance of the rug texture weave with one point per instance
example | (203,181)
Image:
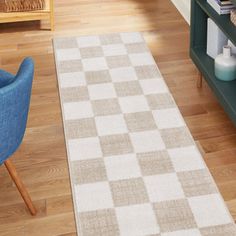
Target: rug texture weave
(134,167)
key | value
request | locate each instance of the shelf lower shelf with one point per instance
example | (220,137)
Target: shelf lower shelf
(224,91)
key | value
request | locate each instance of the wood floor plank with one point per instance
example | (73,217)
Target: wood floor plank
(58,205)
(19,212)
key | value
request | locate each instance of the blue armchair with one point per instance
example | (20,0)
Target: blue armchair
(15,92)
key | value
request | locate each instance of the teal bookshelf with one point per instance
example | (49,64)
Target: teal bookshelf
(224,91)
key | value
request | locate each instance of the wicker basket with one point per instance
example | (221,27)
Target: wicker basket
(21,5)
(233,17)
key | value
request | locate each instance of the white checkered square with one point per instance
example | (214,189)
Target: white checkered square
(209,210)
(68,54)
(168,118)
(133,104)
(77,110)
(107,125)
(122,167)
(147,141)
(186,159)
(153,86)
(94,64)
(85,148)
(93,196)
(123,74)
(140,59)
(73,79)
(114,50)
(88,41)
(137,220)
(163,187)
(101,91)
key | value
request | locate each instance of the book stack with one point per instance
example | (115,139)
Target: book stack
(222,6)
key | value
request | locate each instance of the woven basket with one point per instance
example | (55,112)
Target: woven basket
(233,17)
(21,5)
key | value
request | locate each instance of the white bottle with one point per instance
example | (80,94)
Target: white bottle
(225,65)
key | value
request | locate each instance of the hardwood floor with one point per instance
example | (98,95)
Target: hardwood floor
(41,160)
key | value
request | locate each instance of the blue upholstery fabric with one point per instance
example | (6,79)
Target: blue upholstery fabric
(5,78)
(15,92)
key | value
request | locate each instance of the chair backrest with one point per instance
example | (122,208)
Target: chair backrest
(14,107)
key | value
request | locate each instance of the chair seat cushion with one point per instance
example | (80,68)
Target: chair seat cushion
(6,78)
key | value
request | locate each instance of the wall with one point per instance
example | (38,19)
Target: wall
(184,8)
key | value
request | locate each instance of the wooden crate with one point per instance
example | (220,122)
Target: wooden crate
(46,13)
(21,5)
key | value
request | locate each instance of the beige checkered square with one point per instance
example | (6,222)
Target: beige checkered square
(196,183)
(82,128)
(106,107)
(147,72)
(219,230)
(176,137)
(70,66)
(118,61)
(91,52)
(130,88)
(153,163)
(64,43)
(136,47)
(110,39)
(99,223)
(160,101)
(89,171)
(116,144)
(128,192)
(174,215)
(140,121)
(75,94)
(97,77)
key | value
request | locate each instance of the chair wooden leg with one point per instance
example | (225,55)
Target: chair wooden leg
(199,80)
(19,184)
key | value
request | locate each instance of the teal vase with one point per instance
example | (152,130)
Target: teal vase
(225,65)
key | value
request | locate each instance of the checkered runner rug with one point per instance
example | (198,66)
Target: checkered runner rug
(134,167)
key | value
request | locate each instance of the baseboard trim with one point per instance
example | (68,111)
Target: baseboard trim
(183,7)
